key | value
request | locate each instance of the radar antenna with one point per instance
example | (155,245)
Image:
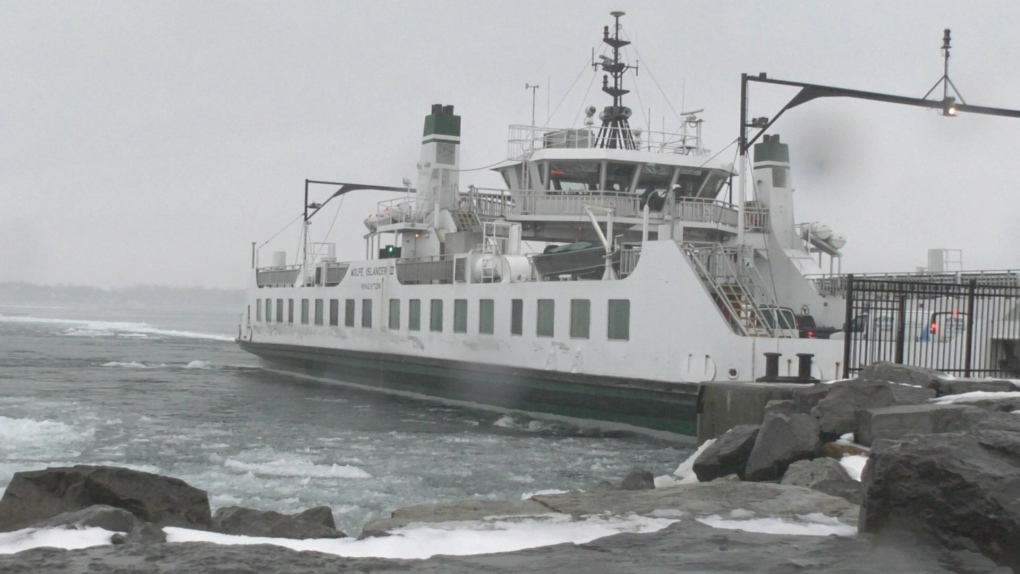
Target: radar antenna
(615,131)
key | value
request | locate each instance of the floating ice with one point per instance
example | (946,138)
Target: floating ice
(126,365)
(79,328)
(199,365)
(545,492)
(296,468)
(420,541)
(808,527)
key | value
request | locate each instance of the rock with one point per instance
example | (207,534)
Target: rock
(146,533)
(782,440)
(958,489)
(837,412)
(1001,404)
(728,455)
(637,479)
(849,490)
(37,495)
(807,398)
(99,515)
(838,450)
(317,515)
(779,407)
(894,422)
(602,486)
(808,473)
(903,374)
(251,522)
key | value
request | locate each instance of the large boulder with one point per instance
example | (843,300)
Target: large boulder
(837,412)
(961,490)
(317,515)
(895,422)
(727,455)
(637,479)
(782,440)
(903,374)
(808,473)
(807,398)
(34,496)
(98,516)
(266,523)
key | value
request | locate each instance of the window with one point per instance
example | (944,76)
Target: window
(318,311)
(485,317)
(460,315)
(436,316)
(290,310)
(279,310)
(620,176)
(580,318)
(574,175)
(349,313)
(258,309)
(517,317)
(546,309)
(414,315)
(334,312)
(366,313)
(394,314)
(619,319)
(269,310)
(304,311)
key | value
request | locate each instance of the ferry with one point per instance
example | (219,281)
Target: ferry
(655,274)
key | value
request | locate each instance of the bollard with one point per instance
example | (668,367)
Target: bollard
(804,366)
(772,366)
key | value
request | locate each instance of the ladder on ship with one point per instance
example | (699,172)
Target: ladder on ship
(467,221)
(738,290)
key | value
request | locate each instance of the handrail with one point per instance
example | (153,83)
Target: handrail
(525,140)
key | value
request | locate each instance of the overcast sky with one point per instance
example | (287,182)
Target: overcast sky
(152,142)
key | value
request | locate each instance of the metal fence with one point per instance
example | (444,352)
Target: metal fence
(963,328)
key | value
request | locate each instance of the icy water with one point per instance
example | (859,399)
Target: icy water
(169,392)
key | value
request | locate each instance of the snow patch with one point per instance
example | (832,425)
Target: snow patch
(854,465)
(420,541)
(28,538)
(546,492)
(685,472)
(780,526)
(975,396)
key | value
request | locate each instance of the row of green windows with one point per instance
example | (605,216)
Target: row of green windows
(618,315)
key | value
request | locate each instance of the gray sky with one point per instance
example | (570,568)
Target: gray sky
(152,142)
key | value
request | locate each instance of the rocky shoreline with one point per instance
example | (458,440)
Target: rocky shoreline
(940,493)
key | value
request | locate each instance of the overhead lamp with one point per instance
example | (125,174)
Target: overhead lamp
(949,107)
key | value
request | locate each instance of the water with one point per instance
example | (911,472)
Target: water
(169,392)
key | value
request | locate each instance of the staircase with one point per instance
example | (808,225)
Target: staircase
(467,221)
(738,290)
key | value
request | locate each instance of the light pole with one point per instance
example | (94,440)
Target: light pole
(533,90)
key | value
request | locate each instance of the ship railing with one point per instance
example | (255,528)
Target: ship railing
(829,285)
(426,270)
(486,202)
(756,219)
(398,210)
(541,202)
(525,140)
(630,255)
(695,210)
(277,276)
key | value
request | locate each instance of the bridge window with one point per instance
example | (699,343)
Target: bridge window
(619,319)
(414,315)
(304,311)
(436,316)
(517,317)
(394,314)
(580,318)
(486,317)
(269,310)
(334,312)
(574,176)
(546,318)
(258,309)
(620,176)
(655,178)
(366,313)
(349,313)
(290,310)
(279,310)
(318,311)
(460,315)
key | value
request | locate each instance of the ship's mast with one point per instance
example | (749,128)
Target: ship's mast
(615,131)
